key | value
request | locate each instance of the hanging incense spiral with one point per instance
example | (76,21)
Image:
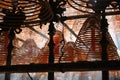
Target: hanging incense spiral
(46,13)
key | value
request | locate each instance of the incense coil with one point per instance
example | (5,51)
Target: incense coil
(91,6)
(34,12)
(46,13)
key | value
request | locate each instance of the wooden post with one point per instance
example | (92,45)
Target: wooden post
(51,49)
(104,43)
(10,48)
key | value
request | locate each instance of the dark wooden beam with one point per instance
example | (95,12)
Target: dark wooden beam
(63,67)
(37,22)
(87,15)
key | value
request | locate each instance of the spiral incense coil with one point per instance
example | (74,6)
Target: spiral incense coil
(90,34)
(46,13)
(91,6)
(36,13)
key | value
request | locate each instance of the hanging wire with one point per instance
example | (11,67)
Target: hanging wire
(63,44)
(41,34)
(61,49)
(29,75)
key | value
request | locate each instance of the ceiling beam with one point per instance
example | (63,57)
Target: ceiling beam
(63,67)
(87,15)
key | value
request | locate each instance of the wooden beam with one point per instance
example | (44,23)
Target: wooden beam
(63,67)
(37,22)
(87,15)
